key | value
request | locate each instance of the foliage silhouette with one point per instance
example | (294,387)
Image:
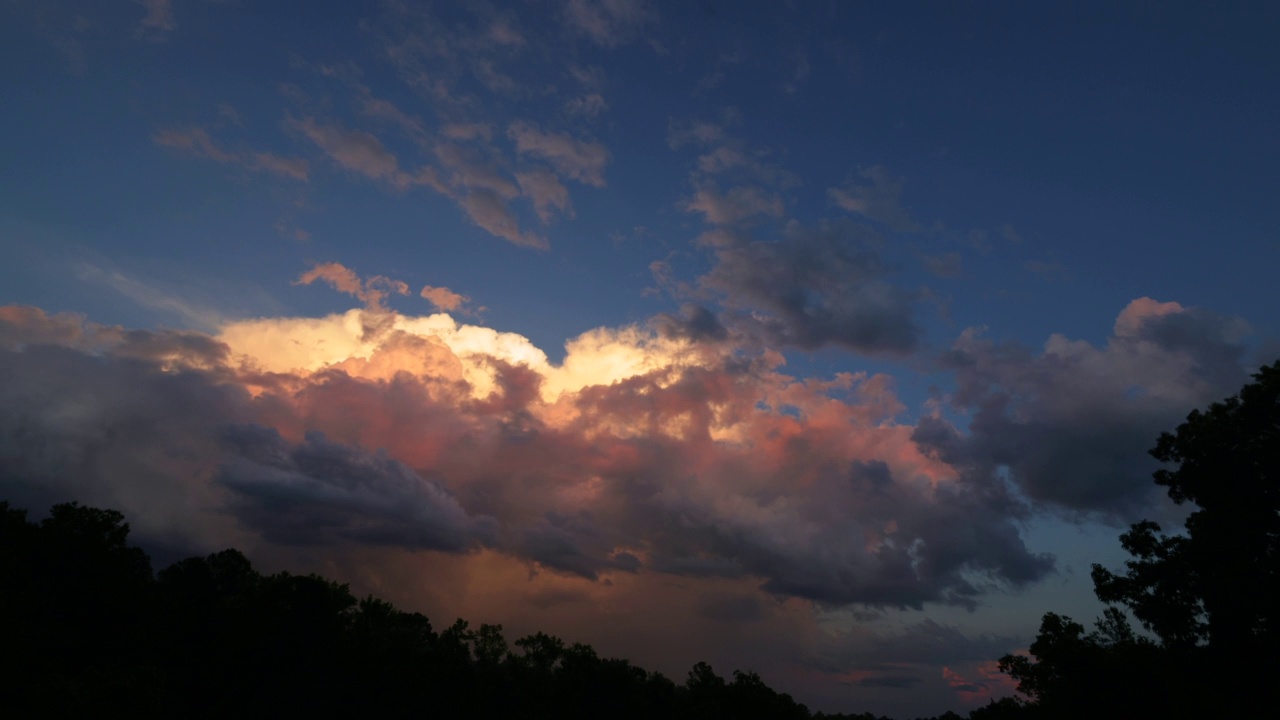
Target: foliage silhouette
(1210,597)
(90,632)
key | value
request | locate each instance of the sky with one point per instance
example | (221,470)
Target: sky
(824,340)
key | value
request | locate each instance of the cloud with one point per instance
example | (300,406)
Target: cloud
(197,142)
(581,160)
(680,134)
(354,150)
(945,265)
(719,505)
(159,17)
(739,205)
(150,297)
(636,454)
(373,292)
(444,298)
(878,201)
(823,285)
(588,106)
(607,22)
(694,322)
(322,492)
(546,193)
(472,173)
(489,211)
(192,140)
(343,279)
(1072,422)
(295,168)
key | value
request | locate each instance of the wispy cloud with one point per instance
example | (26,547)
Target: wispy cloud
(152,297)
(607,22)
(878,200)
(159,16)
(197,142)
(740,204)
(355,150)
(581,160)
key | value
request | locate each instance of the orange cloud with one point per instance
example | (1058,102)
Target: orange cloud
(444,298)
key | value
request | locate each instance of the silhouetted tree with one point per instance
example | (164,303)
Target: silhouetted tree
(89,632)
(1210,596)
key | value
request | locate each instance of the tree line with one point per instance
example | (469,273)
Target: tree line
(89,630)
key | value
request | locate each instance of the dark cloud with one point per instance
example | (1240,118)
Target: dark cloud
(694,322)
(1071,425)
(723,607)
(890,681)
(319,492)
(942,549)
(818,286)
(117,432)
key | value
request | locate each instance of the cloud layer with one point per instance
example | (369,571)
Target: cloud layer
(664,467)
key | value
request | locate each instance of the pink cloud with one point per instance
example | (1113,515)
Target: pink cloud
(444,298)
(546,193)
(355,150)
(1131,319)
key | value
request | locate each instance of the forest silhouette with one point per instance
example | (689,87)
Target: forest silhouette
(91,631)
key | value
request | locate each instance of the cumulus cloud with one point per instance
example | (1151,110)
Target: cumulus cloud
(581,160)
(637,454)
(714,500)
(1071,423)
(877,200)
(823,285)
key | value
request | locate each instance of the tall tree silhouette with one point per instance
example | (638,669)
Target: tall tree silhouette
(1210,595)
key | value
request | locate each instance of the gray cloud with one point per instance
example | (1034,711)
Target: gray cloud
(823,285)
(878,200)
(581,160)
(320,492)
(1072,423)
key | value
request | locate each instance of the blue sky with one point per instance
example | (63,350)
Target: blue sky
(1012,243)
